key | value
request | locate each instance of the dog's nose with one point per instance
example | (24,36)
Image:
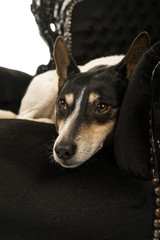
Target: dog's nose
(65,150)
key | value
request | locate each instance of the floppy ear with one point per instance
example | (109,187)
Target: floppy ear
(138,47)
(64,62)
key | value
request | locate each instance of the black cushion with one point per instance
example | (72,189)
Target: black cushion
(41,200)
(132,145)
(13,85)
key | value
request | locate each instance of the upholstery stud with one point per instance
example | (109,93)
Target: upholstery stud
(157,189)
(156,223)
(153,172)
(151,160)
(157,202)
(155,181)
(156,233)
(157,212)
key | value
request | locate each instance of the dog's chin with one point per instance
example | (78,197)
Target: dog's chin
(72,165)
(68,163)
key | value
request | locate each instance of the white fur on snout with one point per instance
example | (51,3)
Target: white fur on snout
(67,127)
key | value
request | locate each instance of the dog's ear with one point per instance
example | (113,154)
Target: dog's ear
(138,47)
(65,64)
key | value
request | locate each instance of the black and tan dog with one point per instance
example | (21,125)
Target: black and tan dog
(88,103)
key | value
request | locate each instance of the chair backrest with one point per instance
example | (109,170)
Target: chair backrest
(95,28)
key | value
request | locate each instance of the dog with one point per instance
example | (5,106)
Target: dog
(83,102)
(88,102)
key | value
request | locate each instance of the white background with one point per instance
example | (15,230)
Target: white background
(21,46)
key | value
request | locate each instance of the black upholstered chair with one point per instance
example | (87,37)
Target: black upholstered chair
(114,195)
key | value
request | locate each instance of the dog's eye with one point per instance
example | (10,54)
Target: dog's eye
(102,107)
(62,104)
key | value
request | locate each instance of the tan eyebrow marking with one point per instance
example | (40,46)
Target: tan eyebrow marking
(69,98)
(92,97)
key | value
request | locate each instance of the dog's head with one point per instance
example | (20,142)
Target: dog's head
(88,103)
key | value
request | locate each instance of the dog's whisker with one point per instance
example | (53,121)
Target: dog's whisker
(49,151)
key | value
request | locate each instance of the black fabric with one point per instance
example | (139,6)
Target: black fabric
(13,85)
(41,200)
(132,131)
(103,28)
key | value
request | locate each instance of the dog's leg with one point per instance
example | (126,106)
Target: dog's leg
(7,114)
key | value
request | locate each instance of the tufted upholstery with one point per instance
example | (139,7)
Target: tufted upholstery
(101,28)
(94,28)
